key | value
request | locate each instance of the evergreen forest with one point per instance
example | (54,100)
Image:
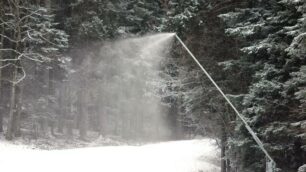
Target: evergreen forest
(55,84)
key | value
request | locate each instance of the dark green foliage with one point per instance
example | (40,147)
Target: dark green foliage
(270,30)
(100,20)
(254,49)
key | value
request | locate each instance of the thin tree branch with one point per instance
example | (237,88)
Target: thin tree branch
(4,66)
(31,14)
(10,39)
(9,49)
(22,78)
(13,2)
(9,14)
(34,59)
(22,55)
(10,24)
(28,33)
(45,39)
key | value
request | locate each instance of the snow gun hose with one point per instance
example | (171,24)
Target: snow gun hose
(270,165)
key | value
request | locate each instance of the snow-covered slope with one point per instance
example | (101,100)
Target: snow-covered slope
(177,156)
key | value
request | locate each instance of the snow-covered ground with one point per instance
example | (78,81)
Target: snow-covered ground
(176,156)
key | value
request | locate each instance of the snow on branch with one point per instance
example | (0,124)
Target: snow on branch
(43,38)
(22,78)
(22,55)
(29,15)
(10,39)
(6,65)
(9,24)
(37,55)
(19,67)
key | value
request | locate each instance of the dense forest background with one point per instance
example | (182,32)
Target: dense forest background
(254,49)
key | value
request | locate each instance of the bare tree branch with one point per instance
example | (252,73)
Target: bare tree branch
(11,25)
(22,78)
(31,14)
(16,4)
(9,14)
(34,59)
(10,39)
(45,39)
(19,67)
(4,66)
(9,49)
(28,33)
(22,55)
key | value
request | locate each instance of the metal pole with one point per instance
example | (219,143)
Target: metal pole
(257,140)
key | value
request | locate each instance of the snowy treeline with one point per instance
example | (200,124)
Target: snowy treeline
(254,49)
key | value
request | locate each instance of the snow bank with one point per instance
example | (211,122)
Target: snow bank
(178,156)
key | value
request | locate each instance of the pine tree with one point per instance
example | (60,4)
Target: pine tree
(268,29)
(30,37)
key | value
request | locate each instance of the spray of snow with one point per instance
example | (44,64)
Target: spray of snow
(123,82)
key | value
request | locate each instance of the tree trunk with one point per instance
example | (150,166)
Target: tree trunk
(10,125)
(17,131)
(1,101)
(12,115)
(103,118)
(223,149)
(71,116)
(1,118)
(69,128)
(228,165)
(82,115)
(60,119)
(141,124)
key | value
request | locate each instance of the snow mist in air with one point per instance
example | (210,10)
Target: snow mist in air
(122,82)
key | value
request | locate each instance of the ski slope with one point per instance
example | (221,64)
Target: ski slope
(176,156)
